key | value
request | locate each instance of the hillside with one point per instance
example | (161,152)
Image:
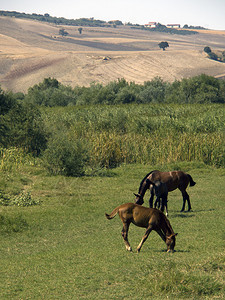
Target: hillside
(32,50)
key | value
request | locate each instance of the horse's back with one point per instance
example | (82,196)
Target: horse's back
(144,216)
(173,179)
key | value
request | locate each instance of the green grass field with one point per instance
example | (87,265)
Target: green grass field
(65,248)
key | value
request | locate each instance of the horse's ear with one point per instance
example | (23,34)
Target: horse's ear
(136,195)
(175,234)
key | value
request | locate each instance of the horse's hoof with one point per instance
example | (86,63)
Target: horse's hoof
(129,249)
(169,251)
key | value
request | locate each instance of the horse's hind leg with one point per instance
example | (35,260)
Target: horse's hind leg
(157,203)
(164,204)
(148,230)
(151,198)
(186,197)
(188,201)
(125,236)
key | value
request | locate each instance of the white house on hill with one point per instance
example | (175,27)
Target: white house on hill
(151,24)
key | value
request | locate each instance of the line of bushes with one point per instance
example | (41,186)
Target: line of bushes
(62,21)
(198,89)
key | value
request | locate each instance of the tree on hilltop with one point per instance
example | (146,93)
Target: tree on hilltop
(163,45)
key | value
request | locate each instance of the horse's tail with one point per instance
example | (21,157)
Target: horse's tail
(192,183)
(113,213)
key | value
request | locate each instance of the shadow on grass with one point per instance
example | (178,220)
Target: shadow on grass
(183,215)
(201,210)
(189,214)
(175,251)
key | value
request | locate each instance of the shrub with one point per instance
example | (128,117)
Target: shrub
(4,199)
(213,56)
(24,199)
(65,156)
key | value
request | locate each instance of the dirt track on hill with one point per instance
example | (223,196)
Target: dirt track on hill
(31,51)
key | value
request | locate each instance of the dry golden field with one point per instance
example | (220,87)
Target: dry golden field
(31,51)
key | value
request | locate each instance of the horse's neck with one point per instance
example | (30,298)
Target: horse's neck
(166,228)
(143,189)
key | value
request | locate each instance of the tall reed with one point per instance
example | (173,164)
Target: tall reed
(145,133)
(14,158)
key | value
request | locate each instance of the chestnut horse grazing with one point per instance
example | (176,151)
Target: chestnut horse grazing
(173,180)
(149,218)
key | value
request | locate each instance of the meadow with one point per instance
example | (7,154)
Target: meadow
(65,248)
(55,240)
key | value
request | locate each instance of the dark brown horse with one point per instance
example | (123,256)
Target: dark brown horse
(173,180)
(149,218)
(161,191)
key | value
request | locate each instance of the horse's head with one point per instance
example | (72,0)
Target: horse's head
(170,242)
(139,199)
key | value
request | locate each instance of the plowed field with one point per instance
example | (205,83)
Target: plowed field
(31,51)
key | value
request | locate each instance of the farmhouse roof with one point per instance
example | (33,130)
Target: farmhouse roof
(151,23)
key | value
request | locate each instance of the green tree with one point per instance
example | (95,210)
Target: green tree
(153,91)
(126,95)
(207,50)
(6,102)
(25,128)
(80,29)
(163,45)
(50,93)
(198,89)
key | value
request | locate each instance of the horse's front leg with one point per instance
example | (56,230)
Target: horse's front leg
(125,236)
(147,232)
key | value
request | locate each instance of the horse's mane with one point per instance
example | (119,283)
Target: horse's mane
(144,180)
(168,224)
